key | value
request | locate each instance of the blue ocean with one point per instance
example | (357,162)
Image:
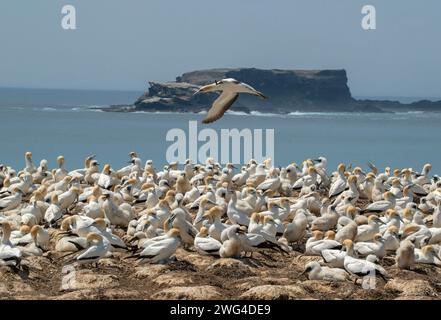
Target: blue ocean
(54,122)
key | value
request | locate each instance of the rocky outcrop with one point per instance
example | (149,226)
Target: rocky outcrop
(287,90)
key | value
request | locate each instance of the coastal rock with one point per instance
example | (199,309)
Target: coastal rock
(288,91)
(188,293)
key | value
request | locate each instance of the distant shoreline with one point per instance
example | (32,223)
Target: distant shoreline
(288,91)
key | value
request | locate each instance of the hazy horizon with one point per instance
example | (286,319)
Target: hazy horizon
(123,45)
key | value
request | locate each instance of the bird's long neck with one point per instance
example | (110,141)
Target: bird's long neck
(5,236)
(350,251)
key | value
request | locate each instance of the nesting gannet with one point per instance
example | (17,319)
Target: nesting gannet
(366,232)
(39,244)
(9,254)
(391,238)
(317,272)
(326,222)
(359,267)
(348,231)
(377,247)
(161,250)
(315,245)
(382,205)
(230,92)
(206,245)
(97,249)
(12,201)
(427,255)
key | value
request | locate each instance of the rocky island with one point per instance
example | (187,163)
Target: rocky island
(288,91)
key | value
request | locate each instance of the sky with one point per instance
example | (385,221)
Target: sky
(121,45)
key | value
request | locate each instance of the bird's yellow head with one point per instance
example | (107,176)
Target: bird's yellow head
(93,236)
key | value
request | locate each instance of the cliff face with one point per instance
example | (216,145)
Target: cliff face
(287,90)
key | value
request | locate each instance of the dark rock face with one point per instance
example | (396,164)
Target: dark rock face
(287,90)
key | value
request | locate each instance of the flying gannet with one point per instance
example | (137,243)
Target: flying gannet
(230,92)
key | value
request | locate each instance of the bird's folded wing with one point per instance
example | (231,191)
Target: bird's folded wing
(220,106)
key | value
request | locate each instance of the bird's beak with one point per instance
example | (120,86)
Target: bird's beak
(241,231)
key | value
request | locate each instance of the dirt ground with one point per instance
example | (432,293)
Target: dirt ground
(192,276)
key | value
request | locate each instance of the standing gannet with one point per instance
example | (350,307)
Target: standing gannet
(235,213)
(317,272)
(405,255)
(296,230)
(178,219)
(339,185)
(61,172)
(80,173)
(29,165)
(230,92)
(437,215)
(54,212)
(105,180)
(206,245)
(352,194)
(217,226)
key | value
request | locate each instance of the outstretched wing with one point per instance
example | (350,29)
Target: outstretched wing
(220,106)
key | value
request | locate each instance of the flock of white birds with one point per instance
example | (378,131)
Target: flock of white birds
(351,218)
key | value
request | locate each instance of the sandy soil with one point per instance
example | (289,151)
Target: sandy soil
(193,276)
